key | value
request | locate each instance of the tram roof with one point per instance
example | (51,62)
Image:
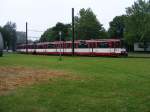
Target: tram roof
(76,41)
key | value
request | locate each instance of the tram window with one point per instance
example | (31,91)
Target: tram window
(60,45)
(40,47)
(51,46)
(76,45)
(83,45)
(103,45)
(111,44)
(29,47)
(117,45)
(34,46)
(67,45)
(92,45)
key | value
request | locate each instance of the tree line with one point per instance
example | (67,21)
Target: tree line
(87,26)
(134,26)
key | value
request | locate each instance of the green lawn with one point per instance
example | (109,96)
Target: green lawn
(101,85)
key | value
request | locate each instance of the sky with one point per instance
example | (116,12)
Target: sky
(43,14)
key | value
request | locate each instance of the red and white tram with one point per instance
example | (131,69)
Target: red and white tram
(100,47)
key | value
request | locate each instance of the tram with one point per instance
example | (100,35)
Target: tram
(97,47)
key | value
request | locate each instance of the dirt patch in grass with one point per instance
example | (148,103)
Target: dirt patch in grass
(13,77)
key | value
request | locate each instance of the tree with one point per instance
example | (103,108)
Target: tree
(52,34)
(117,26)
(9,35)
(5,38)
(87,25)
(64,28)
(138,22)
(47,36)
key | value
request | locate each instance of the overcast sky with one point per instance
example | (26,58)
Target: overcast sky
(42,14)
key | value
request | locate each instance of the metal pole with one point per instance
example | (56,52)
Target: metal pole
(60,57)
(26,37)
(73,32)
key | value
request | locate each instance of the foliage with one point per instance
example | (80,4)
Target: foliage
(6,36)
(87,25)
(94,85)
(117,26)
(9,35)
(47,36)
(64,28)
(138,22)
(52,34)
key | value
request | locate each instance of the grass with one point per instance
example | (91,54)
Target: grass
(105,85)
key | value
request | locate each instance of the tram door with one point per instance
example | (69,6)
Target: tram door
(91,48)
(61,48)
(117,46)
(83,48)
(112,47)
